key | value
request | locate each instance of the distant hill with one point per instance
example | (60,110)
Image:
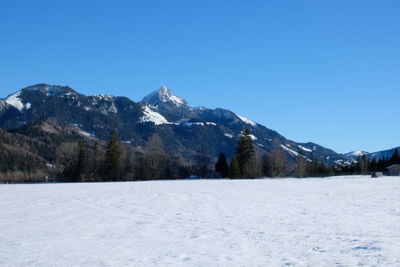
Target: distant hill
(384,154)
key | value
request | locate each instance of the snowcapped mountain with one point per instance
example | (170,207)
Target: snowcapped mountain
(164,96)
(185,130)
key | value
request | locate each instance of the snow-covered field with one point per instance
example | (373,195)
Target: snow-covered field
(288,222)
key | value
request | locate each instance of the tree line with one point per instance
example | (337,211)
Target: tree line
(366,166)
(94,161)
(117,162)
(251,163)
(248,164)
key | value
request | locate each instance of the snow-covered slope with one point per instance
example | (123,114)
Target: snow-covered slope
(152,116)
(15,101)
(287,222)
(246,120)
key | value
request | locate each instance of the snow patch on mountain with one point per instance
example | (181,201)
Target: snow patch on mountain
(357,153)
(86,134)
(305,148)
(104,97)
(113,108)
(228,135)
(15,101)
(152,116)
(341,162)
(201,108)
(291,151)
(188,123)
(253,137)
(246,120)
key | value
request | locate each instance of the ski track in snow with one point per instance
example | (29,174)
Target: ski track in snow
(282,222)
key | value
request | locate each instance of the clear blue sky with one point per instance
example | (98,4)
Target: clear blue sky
(321,71)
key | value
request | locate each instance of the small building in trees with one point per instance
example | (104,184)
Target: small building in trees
(376,174)
(393,170)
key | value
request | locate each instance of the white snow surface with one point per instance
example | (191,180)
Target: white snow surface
(246,120)
(152,116)
(342,221)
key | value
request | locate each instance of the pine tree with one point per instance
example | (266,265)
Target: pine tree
(234,169)
(222,165)
(362,165)
(395,159)
(113,158)
(95,162)
(244,151)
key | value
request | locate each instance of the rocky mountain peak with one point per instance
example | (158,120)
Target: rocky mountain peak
(164,96)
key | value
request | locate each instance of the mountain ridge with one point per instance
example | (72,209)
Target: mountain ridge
(185,130)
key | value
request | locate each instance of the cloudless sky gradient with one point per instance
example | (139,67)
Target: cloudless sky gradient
(321,71)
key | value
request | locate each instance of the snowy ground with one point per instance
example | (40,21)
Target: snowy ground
(287,222)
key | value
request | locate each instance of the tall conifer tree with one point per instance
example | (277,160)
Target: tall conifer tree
(113,158)
(222,165)
(80,164)
(234,168)
(244,151)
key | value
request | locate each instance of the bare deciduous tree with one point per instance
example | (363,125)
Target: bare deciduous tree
(278,163)
(301,166)
(156,158)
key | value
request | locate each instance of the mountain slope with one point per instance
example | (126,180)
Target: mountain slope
(33,151)
(187,132)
